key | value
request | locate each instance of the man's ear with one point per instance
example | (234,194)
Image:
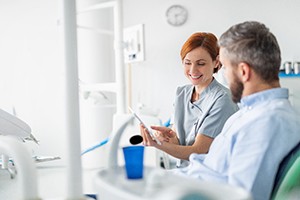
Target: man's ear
(244,71)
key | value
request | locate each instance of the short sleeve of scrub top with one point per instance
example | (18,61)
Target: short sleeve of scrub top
(204,116)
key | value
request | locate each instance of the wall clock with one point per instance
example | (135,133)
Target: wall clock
(176,15)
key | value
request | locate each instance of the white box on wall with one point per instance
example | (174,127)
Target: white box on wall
(134,50)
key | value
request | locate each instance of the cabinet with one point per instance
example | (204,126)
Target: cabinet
(117,86)
(101,73)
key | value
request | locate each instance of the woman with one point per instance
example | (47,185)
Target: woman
(201,108)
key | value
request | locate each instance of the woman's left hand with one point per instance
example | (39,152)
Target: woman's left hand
(147,138)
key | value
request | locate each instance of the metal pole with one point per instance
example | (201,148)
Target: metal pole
(74,169)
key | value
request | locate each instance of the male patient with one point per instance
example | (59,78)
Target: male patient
(254,140)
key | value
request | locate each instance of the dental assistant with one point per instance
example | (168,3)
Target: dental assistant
(200,108)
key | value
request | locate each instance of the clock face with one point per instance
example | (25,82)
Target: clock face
(176,15)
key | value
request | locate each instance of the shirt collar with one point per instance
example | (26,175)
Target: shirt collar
(212,85)
(266,95)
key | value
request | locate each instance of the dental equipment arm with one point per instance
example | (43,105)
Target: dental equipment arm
(114,144)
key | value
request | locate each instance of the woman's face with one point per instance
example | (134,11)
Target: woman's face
(199,66)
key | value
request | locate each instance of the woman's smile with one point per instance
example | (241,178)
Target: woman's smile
(195,77)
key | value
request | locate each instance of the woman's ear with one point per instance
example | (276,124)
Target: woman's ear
(218,64)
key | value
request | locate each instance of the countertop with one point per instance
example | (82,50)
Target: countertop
(51,183)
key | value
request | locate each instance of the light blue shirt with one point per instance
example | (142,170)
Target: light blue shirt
(254,140)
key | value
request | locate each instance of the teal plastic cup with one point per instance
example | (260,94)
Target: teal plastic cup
(134,161)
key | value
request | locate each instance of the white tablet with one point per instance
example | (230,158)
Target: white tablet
(140,120)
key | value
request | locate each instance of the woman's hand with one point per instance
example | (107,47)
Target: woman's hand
(147,139)
(165,134)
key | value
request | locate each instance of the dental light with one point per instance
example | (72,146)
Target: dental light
(13,126)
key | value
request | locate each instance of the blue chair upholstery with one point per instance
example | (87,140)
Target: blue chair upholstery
(284,167)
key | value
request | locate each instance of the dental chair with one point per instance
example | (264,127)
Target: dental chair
(287,180)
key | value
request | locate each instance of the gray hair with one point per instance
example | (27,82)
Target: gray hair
(252,42)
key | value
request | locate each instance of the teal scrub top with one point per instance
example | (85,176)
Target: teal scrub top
(205,116)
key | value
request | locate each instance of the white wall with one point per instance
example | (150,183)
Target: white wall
(32,75)
(155,80)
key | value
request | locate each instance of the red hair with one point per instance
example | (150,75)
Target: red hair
(207,41)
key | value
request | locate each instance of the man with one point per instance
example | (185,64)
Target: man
(255,139)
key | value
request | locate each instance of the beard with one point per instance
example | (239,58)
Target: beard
(237,89)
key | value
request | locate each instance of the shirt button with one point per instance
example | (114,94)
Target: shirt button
(192,107)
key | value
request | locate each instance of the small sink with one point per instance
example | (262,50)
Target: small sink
(159,184)
(113,184)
